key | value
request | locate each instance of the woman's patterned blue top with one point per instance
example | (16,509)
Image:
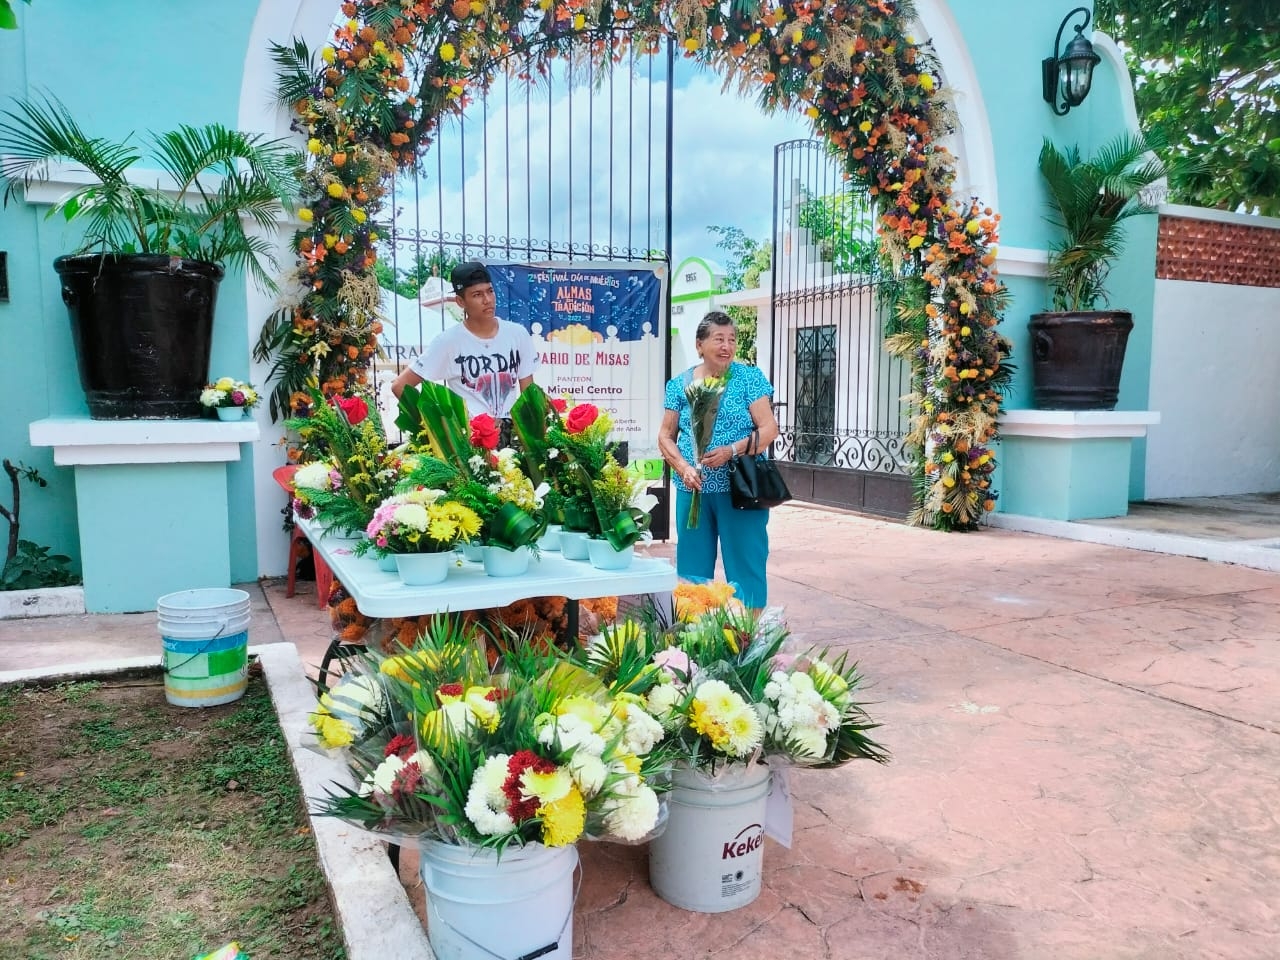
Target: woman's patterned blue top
(747,384)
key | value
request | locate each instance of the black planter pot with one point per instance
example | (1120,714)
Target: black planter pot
(1077,358)
(143,328)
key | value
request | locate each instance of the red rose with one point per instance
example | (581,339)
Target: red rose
(581,417)
(353,408)
(559,404)
(484,431)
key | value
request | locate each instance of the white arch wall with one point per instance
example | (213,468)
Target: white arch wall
(278,21)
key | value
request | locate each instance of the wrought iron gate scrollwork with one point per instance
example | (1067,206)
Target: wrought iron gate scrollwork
(837,392)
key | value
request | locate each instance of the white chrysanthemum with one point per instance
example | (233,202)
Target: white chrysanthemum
(313,476)
(641,732)
(632,812)
(486,804)
(412,516)
(662,701)
(570,732)
(588,771)
(210,397)
(383,777)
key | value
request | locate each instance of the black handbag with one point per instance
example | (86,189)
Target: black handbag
(754,481)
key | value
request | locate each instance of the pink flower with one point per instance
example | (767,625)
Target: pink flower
(675,663)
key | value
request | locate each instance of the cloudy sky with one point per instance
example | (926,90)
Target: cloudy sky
(587,165)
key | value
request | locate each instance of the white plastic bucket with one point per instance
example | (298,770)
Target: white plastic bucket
(206,646)
(481,907)
(711,856)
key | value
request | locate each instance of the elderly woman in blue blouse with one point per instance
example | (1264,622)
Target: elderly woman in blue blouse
(746,405)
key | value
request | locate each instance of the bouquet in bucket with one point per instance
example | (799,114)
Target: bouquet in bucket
(569,446)
(730,686)
(463,460)
(703,395)
(538,751)
(421,520)
(340,441)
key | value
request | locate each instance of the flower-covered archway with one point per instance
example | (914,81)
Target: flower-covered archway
(372,101)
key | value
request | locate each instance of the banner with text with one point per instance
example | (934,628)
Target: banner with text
(598,330)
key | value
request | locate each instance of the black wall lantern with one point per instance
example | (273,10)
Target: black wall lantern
(1069,74)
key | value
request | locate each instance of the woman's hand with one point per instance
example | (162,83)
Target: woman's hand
(717,456)
(690,477)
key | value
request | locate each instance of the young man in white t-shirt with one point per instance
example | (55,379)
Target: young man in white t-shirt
(484,360)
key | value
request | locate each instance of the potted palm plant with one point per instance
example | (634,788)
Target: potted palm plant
(1077,348)
(142,286)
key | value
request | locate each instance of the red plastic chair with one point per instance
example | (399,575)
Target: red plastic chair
(324,576)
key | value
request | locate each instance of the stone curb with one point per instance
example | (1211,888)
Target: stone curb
(373,913)
(1258,554)
(44,602)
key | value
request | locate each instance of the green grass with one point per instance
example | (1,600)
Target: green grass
(153,832)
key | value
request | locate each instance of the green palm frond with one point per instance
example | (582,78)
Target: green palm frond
(220,178)
(1089,199)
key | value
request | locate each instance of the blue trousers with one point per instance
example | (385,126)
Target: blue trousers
(741,535)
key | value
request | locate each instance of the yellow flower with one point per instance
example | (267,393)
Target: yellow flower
(965,309)
(947,457)
(915,242)
(547,787)
(926,82)
(731,639)
(753,38)
(359,216)
(811,111)
(447,52)
(797,36)
(579,21)
(327,55)
(972,227)
(912,207)
(865,126)
(965,331)
(314,145)
(333,732)
(225,383)
(691,44)
(379,47)
(337,190)
(330,239)
(305,215)
(563,820)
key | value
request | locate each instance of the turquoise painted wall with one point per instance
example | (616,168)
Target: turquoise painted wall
(121,66)
(1007,40)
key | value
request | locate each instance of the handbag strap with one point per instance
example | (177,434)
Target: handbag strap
(755,444)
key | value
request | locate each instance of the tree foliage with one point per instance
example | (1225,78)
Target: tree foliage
(408,281)
(1207,77)
(749,258)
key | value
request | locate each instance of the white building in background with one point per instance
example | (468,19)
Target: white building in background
(697,286)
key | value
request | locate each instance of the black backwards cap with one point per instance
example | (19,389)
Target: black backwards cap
(468,274)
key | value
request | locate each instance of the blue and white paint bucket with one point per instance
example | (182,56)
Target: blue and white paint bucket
(206,646)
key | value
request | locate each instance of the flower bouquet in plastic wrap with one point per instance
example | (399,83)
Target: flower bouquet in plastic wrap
(440,746)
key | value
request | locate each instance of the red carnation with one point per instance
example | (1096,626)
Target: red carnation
(581,417)
(450,690)
(520,807)
(401,745)
(484,431)
(559,404)
(353,408)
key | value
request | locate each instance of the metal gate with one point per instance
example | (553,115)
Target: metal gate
(836,392)
(568,165)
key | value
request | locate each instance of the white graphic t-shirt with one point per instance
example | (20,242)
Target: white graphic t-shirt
(486,374)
